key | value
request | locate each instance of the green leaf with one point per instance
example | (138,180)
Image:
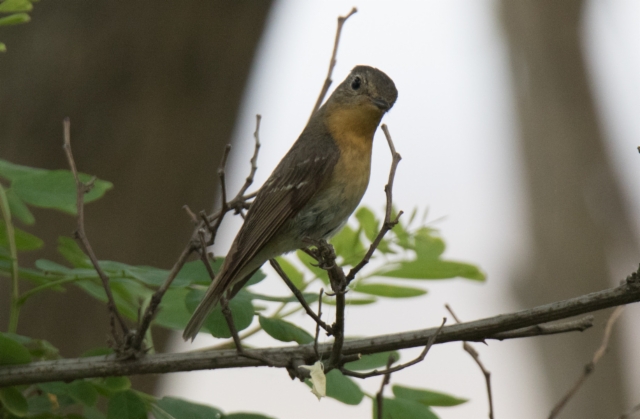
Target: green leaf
(24,240)
(426,397)
(426,245)
(284,331)
(56,189)
(350,301)
(308,297)
(3,47)
(195,272)
(110,385)
(13,171)
(246,416)
(11,352)
(38,349)
(101,351)
(348,245)
(343,388)
(83,392)
(310,263)
(173,312)
(387,290)
(434,269)
(403,409)
(241,310)
(14,19)
(71,251)
(39,405)
(184,409)
(18,208)
(368,222)
(14,401)
(258,276)
(373,361)
(159,413)
(93,413)
(294,274)
(12,6)
(126,405)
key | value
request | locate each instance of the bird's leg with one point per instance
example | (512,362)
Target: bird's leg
(228,316)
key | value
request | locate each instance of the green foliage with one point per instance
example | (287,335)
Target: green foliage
(426,397)
(15,11)
(284,331)
(406,252)
(403,409)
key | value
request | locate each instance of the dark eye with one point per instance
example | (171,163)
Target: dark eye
(355,84)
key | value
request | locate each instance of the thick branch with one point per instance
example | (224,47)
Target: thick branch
(479,330)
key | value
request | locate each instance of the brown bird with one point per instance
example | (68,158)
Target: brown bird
(313,190)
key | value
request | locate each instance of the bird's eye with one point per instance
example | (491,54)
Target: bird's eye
(355,84)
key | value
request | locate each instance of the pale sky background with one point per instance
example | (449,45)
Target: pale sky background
(454,125)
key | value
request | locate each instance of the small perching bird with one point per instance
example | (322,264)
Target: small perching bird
(313,190)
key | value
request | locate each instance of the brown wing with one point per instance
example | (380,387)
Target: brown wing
(301,173)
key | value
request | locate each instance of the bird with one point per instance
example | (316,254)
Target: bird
(313,190)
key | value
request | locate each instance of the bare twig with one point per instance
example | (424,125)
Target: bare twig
(213,229)
(80,235)
(579,325)
(332,63)
(228,316)
(388,222)
(315,341)
(156,298)
(590,367)
(420,358)
(479,330)
(385,382)
(276,266)
(254,160)
(476,357)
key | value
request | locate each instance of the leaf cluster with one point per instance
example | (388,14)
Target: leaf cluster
(408,252)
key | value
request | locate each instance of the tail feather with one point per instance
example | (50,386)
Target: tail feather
(206,306)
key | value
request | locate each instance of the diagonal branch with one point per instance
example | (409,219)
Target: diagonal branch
(479,330)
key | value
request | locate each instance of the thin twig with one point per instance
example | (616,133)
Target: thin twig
(420,358)
(315,341)
(156,298)
(253,161)
(476,357)
(276,266)
(80,234)
(590,367)
(385,382)
(224,206)
(228,316)
(579,325)
(388,222)
(332,62)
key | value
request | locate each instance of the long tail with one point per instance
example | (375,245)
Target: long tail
(206,306)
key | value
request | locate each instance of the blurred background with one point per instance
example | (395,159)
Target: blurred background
(518,126)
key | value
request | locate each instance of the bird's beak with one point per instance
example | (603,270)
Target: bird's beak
(383,105)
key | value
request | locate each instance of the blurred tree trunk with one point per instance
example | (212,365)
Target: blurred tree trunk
(152,90)
(578,218)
